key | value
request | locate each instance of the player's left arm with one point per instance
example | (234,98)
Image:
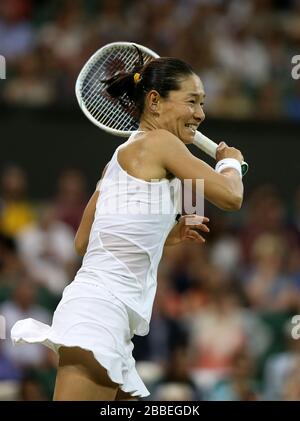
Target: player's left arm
(83,233)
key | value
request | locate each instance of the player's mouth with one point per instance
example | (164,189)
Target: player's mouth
(192,128)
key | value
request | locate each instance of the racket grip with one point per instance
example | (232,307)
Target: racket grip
(209,147)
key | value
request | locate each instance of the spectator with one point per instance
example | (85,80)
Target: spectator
(21,305)
(16,211)
(47,250)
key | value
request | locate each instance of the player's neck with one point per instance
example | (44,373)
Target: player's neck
(148,125)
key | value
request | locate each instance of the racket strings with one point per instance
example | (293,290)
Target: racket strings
(97,93)
(94,92)
(109,64)
(117,114)
(108,59)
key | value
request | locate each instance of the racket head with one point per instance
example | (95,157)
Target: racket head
(102,110)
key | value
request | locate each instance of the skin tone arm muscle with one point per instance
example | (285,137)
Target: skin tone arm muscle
(83,232)
(224,190)
(84,229)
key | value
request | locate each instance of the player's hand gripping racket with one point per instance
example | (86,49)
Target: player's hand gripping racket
(108,113)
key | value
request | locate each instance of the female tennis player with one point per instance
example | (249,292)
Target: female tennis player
(124,230)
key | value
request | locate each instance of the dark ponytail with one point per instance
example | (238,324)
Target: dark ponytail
(123,85)
(161,74)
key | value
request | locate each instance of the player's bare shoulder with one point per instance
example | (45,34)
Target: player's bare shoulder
(164,142)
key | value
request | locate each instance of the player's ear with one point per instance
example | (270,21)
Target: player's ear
(153,102)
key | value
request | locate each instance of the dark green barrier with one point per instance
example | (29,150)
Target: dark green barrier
(45,141)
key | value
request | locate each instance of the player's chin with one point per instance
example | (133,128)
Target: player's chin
(187,140)
(187,136)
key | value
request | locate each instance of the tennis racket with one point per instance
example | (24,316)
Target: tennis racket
(109,114)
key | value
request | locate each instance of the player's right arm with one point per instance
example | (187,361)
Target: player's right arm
(224,190)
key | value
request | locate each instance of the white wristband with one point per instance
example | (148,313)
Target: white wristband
(229,163)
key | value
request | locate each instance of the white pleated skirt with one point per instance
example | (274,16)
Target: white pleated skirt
(90,317)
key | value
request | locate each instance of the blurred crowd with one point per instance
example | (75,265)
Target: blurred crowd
(222,320)
(241,49)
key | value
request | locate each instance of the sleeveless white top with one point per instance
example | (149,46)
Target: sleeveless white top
(132,220)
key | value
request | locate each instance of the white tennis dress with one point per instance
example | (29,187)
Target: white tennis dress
(112,295)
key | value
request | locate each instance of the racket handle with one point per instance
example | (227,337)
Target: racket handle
(209,147)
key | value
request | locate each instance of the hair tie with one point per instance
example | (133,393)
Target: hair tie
(137,78)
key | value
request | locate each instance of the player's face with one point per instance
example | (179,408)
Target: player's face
(182,112)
